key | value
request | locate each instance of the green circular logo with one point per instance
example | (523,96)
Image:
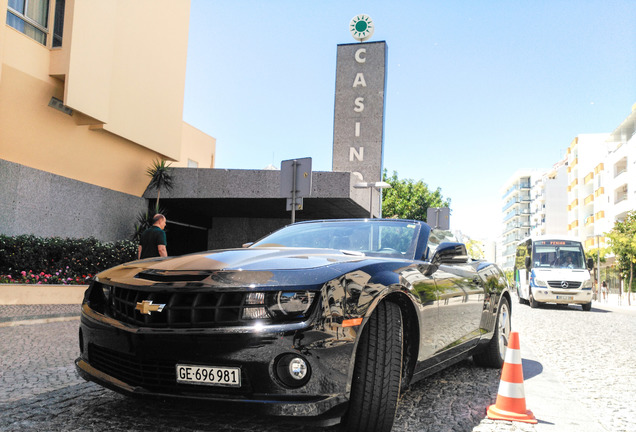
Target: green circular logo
(361,27)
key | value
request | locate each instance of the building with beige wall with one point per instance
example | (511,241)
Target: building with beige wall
(92,91)
(585,155)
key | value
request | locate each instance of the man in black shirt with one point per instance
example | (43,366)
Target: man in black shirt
(153,240)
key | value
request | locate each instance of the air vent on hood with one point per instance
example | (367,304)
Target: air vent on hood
(172,276)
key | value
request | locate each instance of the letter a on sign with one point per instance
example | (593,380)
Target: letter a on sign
(359,80)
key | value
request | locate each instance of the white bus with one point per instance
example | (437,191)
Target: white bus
(553,269)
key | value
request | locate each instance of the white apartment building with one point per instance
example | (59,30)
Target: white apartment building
(581,196)
(548,206)
(516,212)
(614,182)
(586,155)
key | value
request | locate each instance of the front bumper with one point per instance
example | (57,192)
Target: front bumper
(560,296)
(142,362)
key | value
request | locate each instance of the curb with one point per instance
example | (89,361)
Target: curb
(32,294)
(38,319)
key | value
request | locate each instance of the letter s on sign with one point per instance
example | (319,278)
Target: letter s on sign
(359,104)
(358,57)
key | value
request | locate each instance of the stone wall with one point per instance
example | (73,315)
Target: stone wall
(48,205)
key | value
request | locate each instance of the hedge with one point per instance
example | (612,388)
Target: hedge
(31,259)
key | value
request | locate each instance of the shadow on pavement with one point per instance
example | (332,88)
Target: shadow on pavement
(531,368)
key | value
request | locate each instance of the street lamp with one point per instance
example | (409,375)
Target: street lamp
(371,186)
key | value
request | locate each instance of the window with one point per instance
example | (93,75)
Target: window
(30,17)
(58,23)
(193,164)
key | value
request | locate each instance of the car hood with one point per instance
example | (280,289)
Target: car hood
(241,267)
(254,259)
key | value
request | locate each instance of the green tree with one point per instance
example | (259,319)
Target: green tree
(475,249)
(160,178)
(407,199)
(599,256)
(622,239)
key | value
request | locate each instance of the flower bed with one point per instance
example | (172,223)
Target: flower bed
(27,259)
(60,277)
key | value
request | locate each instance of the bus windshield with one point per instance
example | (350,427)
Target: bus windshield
(558,254)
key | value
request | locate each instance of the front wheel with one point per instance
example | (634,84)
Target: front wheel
(587,306)
(494,354)
(533,303)
(377,373)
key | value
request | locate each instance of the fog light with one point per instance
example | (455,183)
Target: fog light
(292,370)
(298,368)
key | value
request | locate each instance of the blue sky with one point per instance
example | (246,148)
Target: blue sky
(475,89)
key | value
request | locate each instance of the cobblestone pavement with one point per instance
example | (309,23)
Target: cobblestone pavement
(30,312)
(41,391)
(592,354)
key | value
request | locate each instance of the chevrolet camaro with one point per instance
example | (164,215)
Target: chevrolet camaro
(330,319)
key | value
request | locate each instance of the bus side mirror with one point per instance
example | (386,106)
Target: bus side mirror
(590,263)
(528,262)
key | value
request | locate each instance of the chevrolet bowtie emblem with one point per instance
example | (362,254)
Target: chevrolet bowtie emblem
(146,307)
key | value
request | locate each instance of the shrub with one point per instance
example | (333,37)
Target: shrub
(31,259)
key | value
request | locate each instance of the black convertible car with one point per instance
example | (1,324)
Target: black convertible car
(328,318)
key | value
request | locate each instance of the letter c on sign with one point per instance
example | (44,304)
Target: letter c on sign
(358,57)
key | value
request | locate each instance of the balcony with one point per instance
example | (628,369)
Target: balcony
(573,185)
(573,204)
(600,167)
(594,242)
(600,191)
(588,178)
(599,215)
(589,220)
(515,201)
(589,199)
(574,163)
(620,167)
(620,194)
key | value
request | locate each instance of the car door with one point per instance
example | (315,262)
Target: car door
(461,298)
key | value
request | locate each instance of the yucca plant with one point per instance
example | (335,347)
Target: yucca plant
(160,178)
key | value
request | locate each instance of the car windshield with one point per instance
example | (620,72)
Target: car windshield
(376,238)
(558,254)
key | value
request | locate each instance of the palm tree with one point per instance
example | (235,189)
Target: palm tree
(160,177)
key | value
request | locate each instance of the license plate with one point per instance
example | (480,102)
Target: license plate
(564,297)
(209,375)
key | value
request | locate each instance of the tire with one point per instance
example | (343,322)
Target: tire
(533,303)
(587,306)
(377,372)
(493,355)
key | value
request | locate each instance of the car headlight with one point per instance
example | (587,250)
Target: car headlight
(540,283)
(587,284)
(279,304)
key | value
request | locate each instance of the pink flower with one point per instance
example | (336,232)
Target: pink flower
(23,273)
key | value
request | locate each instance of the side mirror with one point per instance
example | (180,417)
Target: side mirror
(450,253)
(246,245)
(528,262)
(590,263)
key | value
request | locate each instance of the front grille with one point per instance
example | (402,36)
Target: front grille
(156,375)
(181,310)
(131,370)
(560,284)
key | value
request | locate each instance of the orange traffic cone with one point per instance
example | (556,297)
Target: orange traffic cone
(511,399)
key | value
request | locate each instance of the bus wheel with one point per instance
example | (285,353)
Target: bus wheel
(533,303)
(587,306)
